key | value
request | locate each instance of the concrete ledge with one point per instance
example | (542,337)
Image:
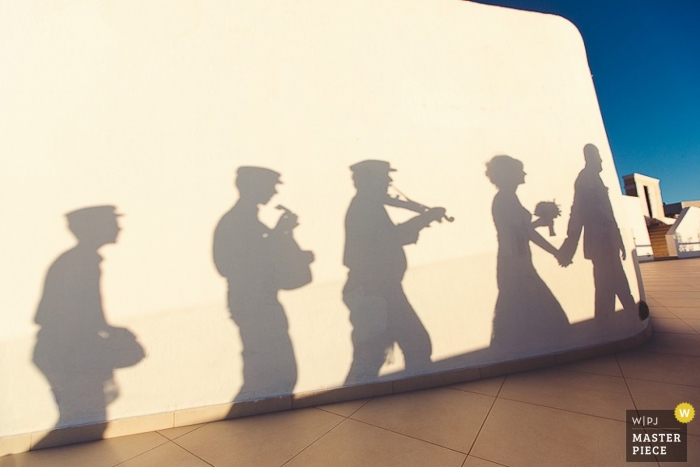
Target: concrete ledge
(15,444)
(585,353)
(80,434)
(344,394)
(146,423)
(433,380)
(517,366)
(69,435)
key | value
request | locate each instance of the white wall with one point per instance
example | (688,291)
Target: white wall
(643,187)
(151,106)
(640,234)
(685,233)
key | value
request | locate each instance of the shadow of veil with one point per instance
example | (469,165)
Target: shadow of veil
(528,317)
(76,349)
(526,309)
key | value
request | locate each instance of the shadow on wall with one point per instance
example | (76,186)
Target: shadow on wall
(528,316)
(525,305)
(257,263)
(76,349)
(380,312)
(602,242)
(526,309)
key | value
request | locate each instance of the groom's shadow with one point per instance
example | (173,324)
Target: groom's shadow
(592,217)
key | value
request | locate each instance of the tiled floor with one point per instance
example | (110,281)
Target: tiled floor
(570,415)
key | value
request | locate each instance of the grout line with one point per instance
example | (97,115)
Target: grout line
(664,382)
(432,443)
(195,455)
(663,308)
(478,433)
(589,372)
(636,409)
(644,349)
(483,459)
(467,391)
(694,357)
(564,410)
(691,327)
(344,419)
(168,441)
(694,333)
(629,391)
(191,431)
(359,408)
(320,407)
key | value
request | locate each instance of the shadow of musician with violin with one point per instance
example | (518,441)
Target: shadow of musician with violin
(380,313)
(257,262)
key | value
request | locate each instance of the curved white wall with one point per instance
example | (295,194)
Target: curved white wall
(152,106)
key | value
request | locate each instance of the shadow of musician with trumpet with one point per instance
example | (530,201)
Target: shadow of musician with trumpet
(380,313)
(258,262)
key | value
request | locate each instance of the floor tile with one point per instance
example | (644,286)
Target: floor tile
(671,325)
(476,462)
(356,444)
(686,312)
(650,366)
(606,365)
(679,292)
(651,395)
(658,311)
(693,323)
(446,417)
(678,344)
(659,285)
(599,395)
(693,453)
(679,302)
(167,455)
(265,440)
(174,433)
(487,387)
(520,434)
(344,409)
(105,453)
(678,283)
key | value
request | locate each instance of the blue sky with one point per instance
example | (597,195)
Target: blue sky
(645,59)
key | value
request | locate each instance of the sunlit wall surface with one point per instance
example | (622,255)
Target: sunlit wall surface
(147,109)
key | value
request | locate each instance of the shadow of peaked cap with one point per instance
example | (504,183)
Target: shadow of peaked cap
(93,215)
(372,167)
(590,151)
(258,175)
